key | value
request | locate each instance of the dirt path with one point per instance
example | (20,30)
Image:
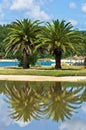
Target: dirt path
(41,78)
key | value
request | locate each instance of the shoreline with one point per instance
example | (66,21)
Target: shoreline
(41,78)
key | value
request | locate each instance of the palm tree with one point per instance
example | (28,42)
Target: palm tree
(83,95)
(22,37)
(59,37)
(25,99)
(23,102)
(83,52)
(61,102)
(35,100)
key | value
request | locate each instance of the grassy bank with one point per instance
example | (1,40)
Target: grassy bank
(45,71)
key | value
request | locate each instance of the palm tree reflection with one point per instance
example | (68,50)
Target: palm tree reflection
(62,102)
(23,102)
(83,95)
(36,100)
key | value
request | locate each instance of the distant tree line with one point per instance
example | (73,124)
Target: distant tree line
(29,40)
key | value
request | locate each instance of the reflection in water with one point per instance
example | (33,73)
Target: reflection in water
(23,102)
(36,100)
(83,96)
(61,102)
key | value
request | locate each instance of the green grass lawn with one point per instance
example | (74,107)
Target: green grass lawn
(45,71)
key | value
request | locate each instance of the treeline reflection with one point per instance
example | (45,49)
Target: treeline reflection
(36,100)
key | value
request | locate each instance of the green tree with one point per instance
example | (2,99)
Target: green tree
(83,52)
(59,37)
(61,102)
(23,102)
(22,36)
(3,33)
(36,100)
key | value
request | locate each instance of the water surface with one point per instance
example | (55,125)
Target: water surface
(42,105)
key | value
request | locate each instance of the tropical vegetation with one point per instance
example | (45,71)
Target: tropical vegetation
(21,38)
(59,36)
(84,47)
(36,100)
(29,40)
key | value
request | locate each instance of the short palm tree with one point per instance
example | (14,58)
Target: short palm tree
(22,37)
(59,37)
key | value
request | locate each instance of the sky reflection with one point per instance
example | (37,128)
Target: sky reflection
(77,121)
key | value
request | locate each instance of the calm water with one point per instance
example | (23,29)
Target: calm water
(42,106)
(9,63)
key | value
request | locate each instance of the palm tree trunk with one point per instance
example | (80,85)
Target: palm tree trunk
(58,87)
(58,55)
(25,60)
(85,62)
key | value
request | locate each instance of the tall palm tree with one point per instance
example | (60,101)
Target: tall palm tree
(25,99)
(83,95)
(83,52)
(23,102)
(22,37)
(59,37)
(61,102)
(34,100)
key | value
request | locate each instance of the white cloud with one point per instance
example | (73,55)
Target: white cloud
(84,108)
(21,123)
(4,113)
(31,7)
(5,119)
(72,5)
(73,22)
(37,13)
(21,4)
(83,8)
(75,124)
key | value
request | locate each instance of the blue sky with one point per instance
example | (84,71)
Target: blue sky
(70,10)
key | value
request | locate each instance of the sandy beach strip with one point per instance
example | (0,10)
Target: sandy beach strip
(42,78)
